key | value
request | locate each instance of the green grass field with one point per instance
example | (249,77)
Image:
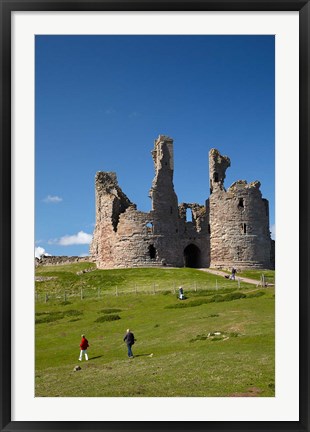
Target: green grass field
(176,352)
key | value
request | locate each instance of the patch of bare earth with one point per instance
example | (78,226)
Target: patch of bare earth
(251,392)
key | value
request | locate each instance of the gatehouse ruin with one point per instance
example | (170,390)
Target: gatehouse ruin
(231,229)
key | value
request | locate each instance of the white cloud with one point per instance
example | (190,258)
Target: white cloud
(52,241)
(273,231)
(134,114)
(52,199)
(39,251)
(109,111)
(80,238)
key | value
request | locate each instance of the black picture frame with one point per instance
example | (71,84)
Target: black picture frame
(9,6)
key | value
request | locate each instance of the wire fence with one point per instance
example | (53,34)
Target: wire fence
(82,293)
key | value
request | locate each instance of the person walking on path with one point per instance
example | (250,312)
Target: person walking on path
(129,338)
(233,274)
(181,293)
(83,345)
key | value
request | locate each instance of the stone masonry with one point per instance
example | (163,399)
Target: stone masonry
(47,260)
(239,221)
(230,229)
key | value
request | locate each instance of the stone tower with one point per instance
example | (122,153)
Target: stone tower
(218,165)
(239,220)
(164,214)
(162,194)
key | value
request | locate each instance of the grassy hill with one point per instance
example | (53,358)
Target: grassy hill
(217,342)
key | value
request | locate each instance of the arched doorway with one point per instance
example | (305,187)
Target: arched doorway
(192,256)
(152,252)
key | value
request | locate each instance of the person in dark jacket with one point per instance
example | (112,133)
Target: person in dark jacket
(233,273)
(129,338)
(83,346)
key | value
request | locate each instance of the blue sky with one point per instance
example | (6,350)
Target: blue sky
(101,101)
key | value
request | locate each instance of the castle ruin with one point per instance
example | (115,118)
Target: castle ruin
(231,229)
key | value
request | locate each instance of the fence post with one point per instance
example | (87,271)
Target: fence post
(81,293)
(263,279)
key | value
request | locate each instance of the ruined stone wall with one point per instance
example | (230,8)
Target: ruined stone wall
(59,260)
(273,254)
(164,200)
(165,212)
(134,240)
(239,224)
(126,237)
(218,165)
(230,229)
(111,202)
(194,234)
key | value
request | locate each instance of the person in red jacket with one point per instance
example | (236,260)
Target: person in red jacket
(83,345)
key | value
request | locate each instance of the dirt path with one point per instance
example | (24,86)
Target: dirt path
(223,274)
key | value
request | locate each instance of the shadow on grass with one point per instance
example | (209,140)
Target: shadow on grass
(94,358)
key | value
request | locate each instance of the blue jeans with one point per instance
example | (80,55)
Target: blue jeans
(130,354)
